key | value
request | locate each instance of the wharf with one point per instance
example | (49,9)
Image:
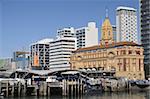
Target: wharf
(64,83)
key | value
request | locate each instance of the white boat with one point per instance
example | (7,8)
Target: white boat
(143,83)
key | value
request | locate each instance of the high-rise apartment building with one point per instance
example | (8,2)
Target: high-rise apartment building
(126,23)
(145,33)
(66,32)
(87,36)
(114,33)
(61,48)
(60,51)
(56,53)
(40,54)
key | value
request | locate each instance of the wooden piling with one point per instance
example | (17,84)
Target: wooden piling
(19,88)
(72,88)
(75,86)
(44,88)
(0,87)
(48,90)
(12,92)
(7,87)
(78,87)
(67,87)
(64,88)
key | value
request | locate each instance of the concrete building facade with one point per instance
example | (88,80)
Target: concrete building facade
(126,24)
(114,33)
(62,47)
(66,32)
(87,36)
(40,54)
(60,51)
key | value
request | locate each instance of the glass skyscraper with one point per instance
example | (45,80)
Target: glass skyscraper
(145,33)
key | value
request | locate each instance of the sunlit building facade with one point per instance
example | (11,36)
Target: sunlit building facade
(126,24)
(60,51)
(87,36)
(61,48)
(126,58)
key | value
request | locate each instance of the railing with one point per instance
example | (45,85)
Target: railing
(55,84)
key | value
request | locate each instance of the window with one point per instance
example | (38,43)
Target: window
(138,52)
(130,52)
(109,33)
(123,52)
(124,64)
(139,65)
(117,52)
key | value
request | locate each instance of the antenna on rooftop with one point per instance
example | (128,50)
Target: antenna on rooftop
(23,49)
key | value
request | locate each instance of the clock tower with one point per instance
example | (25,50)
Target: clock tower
(106,33)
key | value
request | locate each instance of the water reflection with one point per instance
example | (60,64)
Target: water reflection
(105,95)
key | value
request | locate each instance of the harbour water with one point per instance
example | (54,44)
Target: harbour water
(104,95)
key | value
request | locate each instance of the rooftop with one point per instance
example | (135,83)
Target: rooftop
(108,46)
(125,8)
(43,41)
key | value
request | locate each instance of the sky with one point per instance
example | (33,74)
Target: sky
(23,22)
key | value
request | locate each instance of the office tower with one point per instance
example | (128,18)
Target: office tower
(61,48)
(66,32)
(40,54)
(145,33)
(114,33)
(87,36)
(126,24)
(60,51)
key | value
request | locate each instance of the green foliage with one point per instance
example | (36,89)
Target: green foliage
(2,62)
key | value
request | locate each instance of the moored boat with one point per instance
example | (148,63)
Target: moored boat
(143,83)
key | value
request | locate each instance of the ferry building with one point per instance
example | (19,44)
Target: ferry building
(126,58)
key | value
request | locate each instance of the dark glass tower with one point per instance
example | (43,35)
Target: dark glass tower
(145,33)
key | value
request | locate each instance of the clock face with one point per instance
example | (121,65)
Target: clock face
(111,55)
